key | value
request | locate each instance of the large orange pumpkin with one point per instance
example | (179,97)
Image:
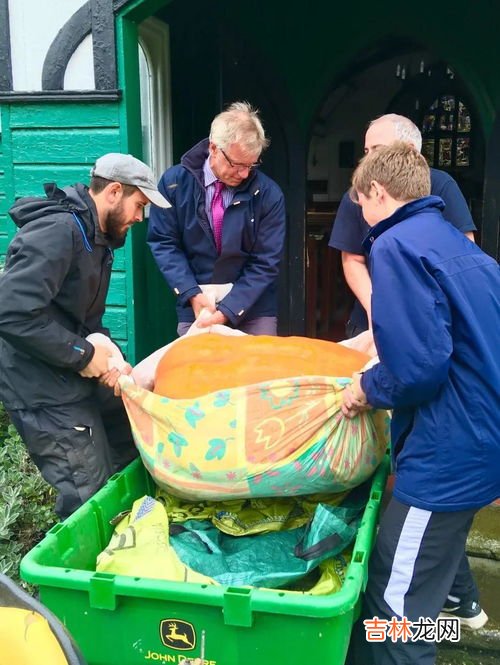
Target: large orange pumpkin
(201,364)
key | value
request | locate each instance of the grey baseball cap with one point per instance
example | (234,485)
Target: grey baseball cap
(128,170)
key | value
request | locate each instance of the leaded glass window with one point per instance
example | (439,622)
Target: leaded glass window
(446,133)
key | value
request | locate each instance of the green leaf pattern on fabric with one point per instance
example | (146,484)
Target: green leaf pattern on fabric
(216,449)
(178,442)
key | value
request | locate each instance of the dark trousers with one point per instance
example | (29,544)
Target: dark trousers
(77,446)
(261,325)
(418,559)
(352,330)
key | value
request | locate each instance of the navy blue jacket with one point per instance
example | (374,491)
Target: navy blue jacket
(436,323)
(183,244)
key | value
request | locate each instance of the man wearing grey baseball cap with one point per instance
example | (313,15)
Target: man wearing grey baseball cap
(129,170)
(57,385)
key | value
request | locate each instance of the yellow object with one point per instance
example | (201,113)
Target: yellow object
(244,517)
(26,638)
(201,364)
(140,547)
(332,575)
(286,437)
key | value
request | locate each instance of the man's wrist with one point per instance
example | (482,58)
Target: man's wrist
(226,312)
(87,351)
(221,316)
(356,388)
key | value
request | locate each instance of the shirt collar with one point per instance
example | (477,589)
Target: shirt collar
(208,175)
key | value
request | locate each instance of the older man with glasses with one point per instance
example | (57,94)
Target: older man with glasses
(226,227)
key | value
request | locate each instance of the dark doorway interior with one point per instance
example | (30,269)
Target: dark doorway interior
(412,83)
(436,99)
(214,63)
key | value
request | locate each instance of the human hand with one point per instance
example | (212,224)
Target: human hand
(99,363)
(353,398)
(208,319)
(201,301)
(110,378)
(362,342)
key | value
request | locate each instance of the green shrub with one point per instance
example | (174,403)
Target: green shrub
(26,500)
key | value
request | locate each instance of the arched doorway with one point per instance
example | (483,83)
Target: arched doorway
(235,69)
(407,80)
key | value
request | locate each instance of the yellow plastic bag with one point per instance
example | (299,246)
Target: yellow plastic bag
(140,547)
(243,517)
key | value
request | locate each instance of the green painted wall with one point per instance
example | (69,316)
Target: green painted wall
(6,195)
(152,307)
(44,142)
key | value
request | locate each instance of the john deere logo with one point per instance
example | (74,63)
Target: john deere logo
(177,634)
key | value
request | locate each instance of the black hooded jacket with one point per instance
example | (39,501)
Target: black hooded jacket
(52,295)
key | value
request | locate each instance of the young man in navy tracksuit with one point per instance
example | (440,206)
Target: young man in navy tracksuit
(436,325)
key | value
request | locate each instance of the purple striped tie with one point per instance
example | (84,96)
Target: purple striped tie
(217,209)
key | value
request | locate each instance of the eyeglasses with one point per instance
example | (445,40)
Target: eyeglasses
(240,167)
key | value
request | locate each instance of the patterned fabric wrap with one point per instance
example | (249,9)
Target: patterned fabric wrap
(285,437)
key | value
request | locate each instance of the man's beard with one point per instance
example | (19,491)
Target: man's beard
(115,227)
